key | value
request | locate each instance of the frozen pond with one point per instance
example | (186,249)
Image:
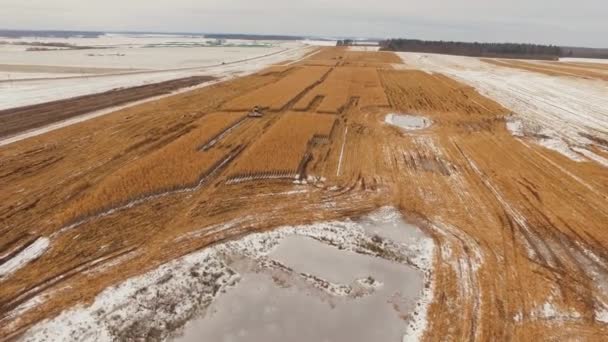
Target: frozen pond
(361,297)
(368,279)
(408,122)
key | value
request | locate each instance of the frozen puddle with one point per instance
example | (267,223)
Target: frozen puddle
(364,280)
(376,298)
(408,122)
(314,291)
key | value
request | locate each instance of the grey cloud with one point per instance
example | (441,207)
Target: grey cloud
(545,21)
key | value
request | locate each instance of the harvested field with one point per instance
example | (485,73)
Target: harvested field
(512,259)
(277,95)
(17,120)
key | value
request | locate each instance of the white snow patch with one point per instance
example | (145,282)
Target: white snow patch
(516,127)
(364,48)
(601,314)
(32,252)
(407,122)
(592,156)
(558,145)
(549,311)
(339,170)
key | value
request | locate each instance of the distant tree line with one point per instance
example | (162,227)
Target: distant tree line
(584,52)
(345,42)
(48,34)
(251,36)
(503,50)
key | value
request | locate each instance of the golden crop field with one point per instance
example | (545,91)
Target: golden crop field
(283,147)
(182,163)
(277,95)
(341,85)
(408,91)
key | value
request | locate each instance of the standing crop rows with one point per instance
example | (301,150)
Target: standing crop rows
(177,165)
(277,95)
(282,151)
(408,90)
(341,85)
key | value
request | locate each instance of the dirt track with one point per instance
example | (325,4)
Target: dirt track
(521,230)
(17,120)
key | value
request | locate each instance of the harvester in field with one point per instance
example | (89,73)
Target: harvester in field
(256,112)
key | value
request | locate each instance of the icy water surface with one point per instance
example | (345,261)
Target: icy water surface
(274,305)
(408,122)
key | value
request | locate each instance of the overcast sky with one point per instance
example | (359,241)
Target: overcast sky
(581,22)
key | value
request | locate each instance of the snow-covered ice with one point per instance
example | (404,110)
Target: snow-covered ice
(407,122)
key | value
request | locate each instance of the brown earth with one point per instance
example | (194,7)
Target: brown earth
(17,120)
(518,227)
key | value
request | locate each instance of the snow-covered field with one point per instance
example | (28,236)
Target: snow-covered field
(133,51)
(136,60)
(22,93)
(270,283)
(561,112)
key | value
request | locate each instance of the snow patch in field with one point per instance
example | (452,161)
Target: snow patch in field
(516,127)
(32,252)
(558,145)
(549,311)
(601,315)
(364,48)
(592,156)
(407,122)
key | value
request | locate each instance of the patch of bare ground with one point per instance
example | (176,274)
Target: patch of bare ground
(17,120)
(520,229)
